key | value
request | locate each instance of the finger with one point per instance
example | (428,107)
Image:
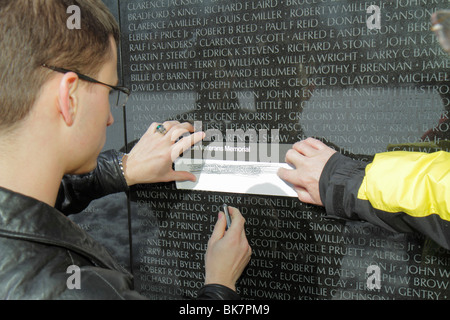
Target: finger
(287,175)
(319,145)
(152,128)
(294,158)
(167,126)
(184,144)
(305,148)
(234,213)
(190,140)
(237,221)
(172,125)
(237,231)
(313,144)
(177,132)
(183,176)
(219,228)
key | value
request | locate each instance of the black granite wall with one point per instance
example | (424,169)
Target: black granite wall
(302,67)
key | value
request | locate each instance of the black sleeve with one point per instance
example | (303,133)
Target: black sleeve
(217,292)
(77,191)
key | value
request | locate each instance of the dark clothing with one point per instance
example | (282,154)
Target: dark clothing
(77,191)
(38,244)
(388,197)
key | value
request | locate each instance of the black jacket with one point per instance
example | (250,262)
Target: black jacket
(38,244)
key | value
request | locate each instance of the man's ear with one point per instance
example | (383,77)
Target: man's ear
(68,102)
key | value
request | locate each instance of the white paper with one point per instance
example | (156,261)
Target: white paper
(235,177)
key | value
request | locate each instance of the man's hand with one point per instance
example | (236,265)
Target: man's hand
(151,159)
(228,251)
(309,158)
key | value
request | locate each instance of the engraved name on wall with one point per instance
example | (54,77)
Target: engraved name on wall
(304,68)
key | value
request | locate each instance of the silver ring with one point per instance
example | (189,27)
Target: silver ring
(161,129)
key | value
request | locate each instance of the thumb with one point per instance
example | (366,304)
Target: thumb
(183,176)
(286,175)
(305,196)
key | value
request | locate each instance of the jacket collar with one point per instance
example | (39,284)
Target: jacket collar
(25,218)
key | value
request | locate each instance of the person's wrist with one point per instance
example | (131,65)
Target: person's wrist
(122,159)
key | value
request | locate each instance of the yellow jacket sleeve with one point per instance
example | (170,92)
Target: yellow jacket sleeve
(399,191)
(415,183)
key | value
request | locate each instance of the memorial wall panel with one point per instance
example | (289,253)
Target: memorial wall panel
(363,82)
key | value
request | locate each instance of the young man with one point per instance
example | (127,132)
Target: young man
(399,191)
(52,125)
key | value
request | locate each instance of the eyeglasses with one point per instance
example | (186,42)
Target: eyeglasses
(118,96)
